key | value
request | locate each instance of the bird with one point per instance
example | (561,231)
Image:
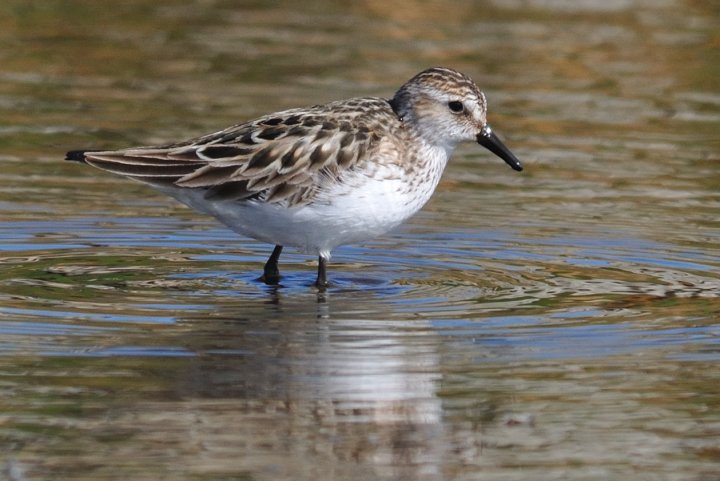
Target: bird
(322,176)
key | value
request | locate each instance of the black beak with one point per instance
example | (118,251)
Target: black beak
(492,142)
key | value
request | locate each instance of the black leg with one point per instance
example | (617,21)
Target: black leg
(321,282)
(271,273)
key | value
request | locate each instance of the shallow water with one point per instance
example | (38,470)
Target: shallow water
(558,324)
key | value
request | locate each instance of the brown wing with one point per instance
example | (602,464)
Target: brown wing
(280,157)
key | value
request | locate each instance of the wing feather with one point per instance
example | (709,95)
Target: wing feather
(281,157)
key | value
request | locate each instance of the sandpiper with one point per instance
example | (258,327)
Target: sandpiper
(318,177)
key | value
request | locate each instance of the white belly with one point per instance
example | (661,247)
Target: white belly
(344,213)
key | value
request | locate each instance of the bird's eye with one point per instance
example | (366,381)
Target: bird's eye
(456,106)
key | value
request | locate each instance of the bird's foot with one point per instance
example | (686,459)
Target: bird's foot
(321,285)
(270,278)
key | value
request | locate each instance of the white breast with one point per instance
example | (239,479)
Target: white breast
(362,206)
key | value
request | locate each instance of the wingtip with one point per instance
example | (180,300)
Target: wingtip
(76,155)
